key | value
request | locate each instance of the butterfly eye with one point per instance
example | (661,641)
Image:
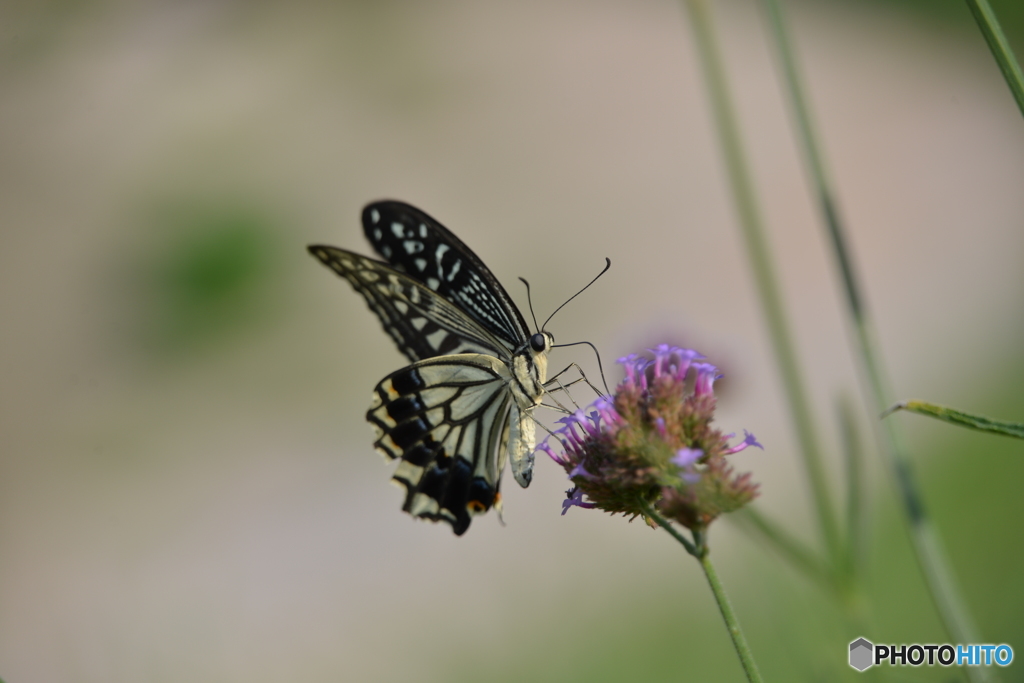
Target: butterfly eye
(538,342)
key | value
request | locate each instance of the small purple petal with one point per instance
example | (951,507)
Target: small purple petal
(705,378)
(659,424)
(546,447)
(748,440)
(568,430)
(580,471)
(606,409)
(661,352)
(585,423)
(691,477)
(686,457)
(686,358)
(574,496)
(629,363)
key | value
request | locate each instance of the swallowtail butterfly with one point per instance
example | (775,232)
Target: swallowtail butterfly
(463,406)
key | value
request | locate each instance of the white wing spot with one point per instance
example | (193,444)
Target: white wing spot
(397,230)
(386,251)
(421,264)
(377,234)
(413,247)
(436,338)
(374,217)
(418,323)
(409,472)
(455,269)
(432,282)
(422,504)
(402,307)
(423,230)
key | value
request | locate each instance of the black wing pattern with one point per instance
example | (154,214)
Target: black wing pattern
(428,252)
(423,324)
(463,407)
(445,417)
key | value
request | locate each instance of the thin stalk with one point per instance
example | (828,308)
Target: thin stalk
(764,274)
(856,523)
(931,558)
(664,524)
(700,550)
(1000,48)
(738,641)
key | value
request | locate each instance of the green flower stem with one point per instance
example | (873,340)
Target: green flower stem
(764,275)
(925,540)
(1000,48)
(738,641)
(855,526)
(700,551)
(663,523)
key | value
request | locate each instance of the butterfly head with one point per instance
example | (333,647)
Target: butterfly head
(541,342)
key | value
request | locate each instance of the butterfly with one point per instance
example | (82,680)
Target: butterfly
(463,407)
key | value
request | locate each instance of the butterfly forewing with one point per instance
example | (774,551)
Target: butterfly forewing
(428,252)
(422,323)
(464,406)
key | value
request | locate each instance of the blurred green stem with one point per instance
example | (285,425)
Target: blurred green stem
(738,641)
(853,457)
(764,275)
(698,548)
(928,548)
(1000,48)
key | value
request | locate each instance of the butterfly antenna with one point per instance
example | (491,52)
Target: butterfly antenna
(600,366)
(529,300)
(607,265)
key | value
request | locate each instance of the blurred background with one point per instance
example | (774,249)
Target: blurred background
(187,485)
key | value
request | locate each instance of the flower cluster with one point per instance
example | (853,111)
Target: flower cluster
(652,444)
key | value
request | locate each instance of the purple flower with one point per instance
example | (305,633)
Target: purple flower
(653,444)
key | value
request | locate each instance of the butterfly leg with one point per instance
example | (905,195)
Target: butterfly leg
(581,378)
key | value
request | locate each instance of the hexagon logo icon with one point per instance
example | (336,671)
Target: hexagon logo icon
(860,654)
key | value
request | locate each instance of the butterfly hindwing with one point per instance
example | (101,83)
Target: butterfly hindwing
(428,252)
(446,419)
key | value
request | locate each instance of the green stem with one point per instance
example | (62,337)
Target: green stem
(700,550)
(1000,48)
(738,641)
(931,559)
(855,522)
(664,524)
(763,270)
